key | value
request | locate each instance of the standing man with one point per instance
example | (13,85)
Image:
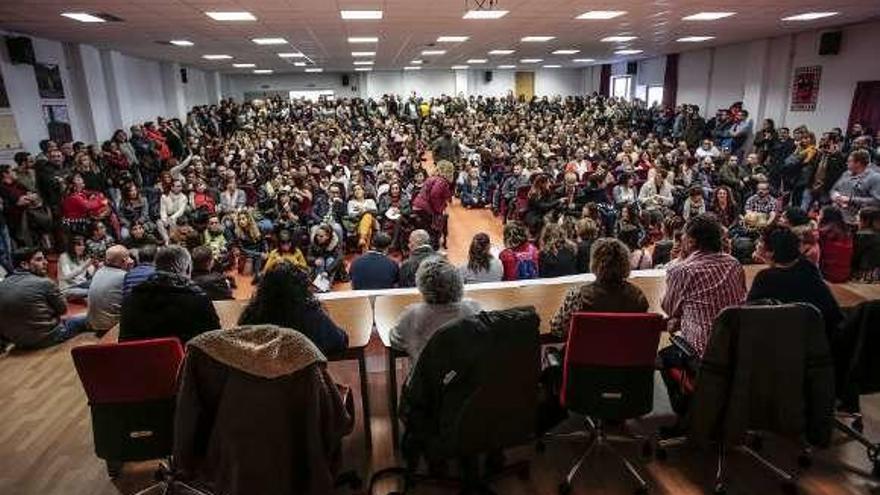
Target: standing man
(105,291)
(858,187)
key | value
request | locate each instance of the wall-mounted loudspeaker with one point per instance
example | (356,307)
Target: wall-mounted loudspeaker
(632,68)
(829,42)
(21,50)
(183,77)
(488,76)
(345,80)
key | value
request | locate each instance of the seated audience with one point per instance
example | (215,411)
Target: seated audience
(587,233)
(473,189)
(250,243)
(481,266)
(325,255)
(762,203)
(75,269)
(442,290)
(31,305)
(419,250)
(520,257)
(362,215)
(791,278)
(866,249)
(105,291)
(215,284)
(806,230)
(835,245)
(143,269)
(611,292)
(558,255)
(287,250)
(283,298)
(168,304)
(374,269)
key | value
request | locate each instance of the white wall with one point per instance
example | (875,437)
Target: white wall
(760,72)
(558,82)
(503,81)
(239,84)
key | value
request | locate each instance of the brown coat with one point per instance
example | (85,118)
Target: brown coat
(258,414)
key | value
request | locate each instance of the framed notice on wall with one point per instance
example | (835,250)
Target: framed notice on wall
(805,88)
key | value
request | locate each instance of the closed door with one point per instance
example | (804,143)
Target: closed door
(525,85)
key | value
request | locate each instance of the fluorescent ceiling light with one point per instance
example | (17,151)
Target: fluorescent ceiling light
(810,16)
(485,14)
(565,52)
(292,55)
(231,16)
(459,67)
(707,16)
(270,41)
(601,14)
(263,71)
(507,67)
(363,39)
(617,39)
(583,60)
(181,43)
(452,39)
(314,69)
(216,57)
(477,61)
(433,52)
(412,67)
(552,66)
(360,14)
(299,64)
(244,66)
(363,62)
(530,60)
(536,39)
(628,52)
(363,54)
(83,17)
(417,61)
(500,52)
(363,69)
(695,39)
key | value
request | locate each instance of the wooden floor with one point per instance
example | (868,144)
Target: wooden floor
(46,444)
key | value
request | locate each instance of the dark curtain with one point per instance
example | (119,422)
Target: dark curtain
(866,106)
(670,81)
(605,80)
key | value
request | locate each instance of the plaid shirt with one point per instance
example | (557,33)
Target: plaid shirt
(757,204)
(697,289)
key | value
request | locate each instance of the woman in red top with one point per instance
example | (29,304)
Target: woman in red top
(81,206)
(430,202)
(520,257)
(835,245)
(201,197)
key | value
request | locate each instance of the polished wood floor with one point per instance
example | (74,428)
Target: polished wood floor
(46,444)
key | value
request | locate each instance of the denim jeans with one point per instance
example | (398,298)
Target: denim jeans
(70,327)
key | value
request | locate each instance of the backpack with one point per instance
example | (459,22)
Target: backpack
(526,267)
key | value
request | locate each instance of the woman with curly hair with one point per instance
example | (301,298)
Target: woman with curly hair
(558,255)
(610,293)
(283,298)
(429,204)
(520,257)
(249,242)
(481,266)
(724,207)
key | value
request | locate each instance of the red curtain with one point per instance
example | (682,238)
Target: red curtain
(605,80)
(866,106)
(670,81)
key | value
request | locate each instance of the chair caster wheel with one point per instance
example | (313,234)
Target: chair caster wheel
(564,488)
(804,461)
(719,489)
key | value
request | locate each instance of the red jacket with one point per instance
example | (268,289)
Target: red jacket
(159,140)
(836,252)
(84,205)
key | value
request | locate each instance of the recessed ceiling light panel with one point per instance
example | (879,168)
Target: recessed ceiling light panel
(536,39)
(412,67)
(565,52)
(361,15)
(707,16)
(216,57)
(244,66)
(292,55)
(618,39)
(363,62)
(433,52)
(695,39)
(231,16)
(530,60)
(459,67)
(500,52)
(477,61)
(485,14)
(269,41)
(83,17)
(810,16)
(601,14)
(363,39)
(263,71)
(452,39)
(363,54)
(314,69)
(181,43)
(628,52)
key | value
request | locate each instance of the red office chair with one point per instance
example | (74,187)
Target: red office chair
(608,375)
(131,388)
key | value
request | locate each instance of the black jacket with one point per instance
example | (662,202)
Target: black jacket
(474,387)
(215,285)
(166,305)
(766,368)
(856,351)
(409,267)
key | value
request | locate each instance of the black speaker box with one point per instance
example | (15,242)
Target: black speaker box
(632,68)
(21,50)
(488,76)
(345,80)
(829,42)
(183,77)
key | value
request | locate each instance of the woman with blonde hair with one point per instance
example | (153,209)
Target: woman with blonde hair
(558,256)
(429,205)
(610,293)
(249,242)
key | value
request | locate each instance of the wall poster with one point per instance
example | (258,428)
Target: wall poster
(49,81)
(58,123)
(805,88)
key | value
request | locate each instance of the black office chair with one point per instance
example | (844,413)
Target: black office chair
(473,392)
